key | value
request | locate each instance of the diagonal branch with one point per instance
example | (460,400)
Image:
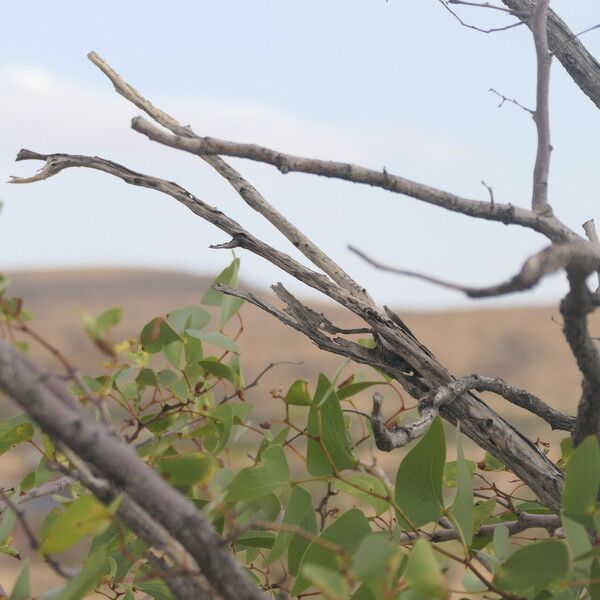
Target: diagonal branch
(247,192)
(508,214)
(583,68)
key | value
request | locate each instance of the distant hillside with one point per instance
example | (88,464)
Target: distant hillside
(522,345)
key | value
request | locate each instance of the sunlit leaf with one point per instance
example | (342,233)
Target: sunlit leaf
(268,475)
(419,478)
(535,565)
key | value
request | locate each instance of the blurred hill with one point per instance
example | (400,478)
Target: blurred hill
(523,345)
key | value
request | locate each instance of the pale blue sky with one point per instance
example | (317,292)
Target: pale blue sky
(397,84)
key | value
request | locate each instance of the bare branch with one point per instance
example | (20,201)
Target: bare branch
(287,163)
(516,396)
(46,489)
(398,436)
(550,260)
(446,3)
(525,521)
(539,201)
(574,308)
(592,235)
(579,63)
(246,191)
(504,99)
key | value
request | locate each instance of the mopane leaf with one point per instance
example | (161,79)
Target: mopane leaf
(419,478)
(84,517)
(186,470)
(326,426)
(347,532)
(298,394)
(462,508)
(192,317)
(94,568)
(582,480)
(535,565)
(376,561)
(215,338)
(347,391)
(219,370)
(156,334)
(367,488)
(296,510)
(423,572)
(330,583)
(271,473)
(22,588)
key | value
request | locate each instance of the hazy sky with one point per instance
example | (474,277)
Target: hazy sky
(398,84)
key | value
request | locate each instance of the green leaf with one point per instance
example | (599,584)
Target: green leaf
(85,516)
(20,433)
(502,544)
(107,320)
(491,463)
(367,488)
(219,370)
(376,562)
(187,470)
(298,394)
(451,475)
(22,588)
(173,352)
(482,512)
(347,532)
(326,422)
(156,334)
(594,587)
(347,391)
(462,508)
(300,543)
(256,538)
(535,565)
(582,480)
(223,422)
(423,572)
(214,338)
(94,568)
(229,304)
(331,584)
(419,477)
(192,317)
(146,377)
(271,473)
(7,524)
(296,510)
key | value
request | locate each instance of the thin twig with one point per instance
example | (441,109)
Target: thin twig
(539,201)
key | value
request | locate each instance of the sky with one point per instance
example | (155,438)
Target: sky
(397,84)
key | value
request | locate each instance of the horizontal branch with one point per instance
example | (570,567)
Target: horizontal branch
(516,396)
(388,439)
(46,489)
(523,522)
(584,257)
(508,214)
